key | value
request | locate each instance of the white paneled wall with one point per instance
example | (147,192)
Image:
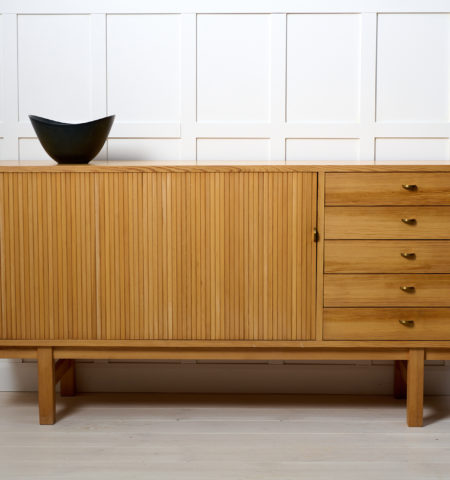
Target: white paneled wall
(245,82)
(233,68)
(413,68)
(231,81)
(323,68)
(143,67)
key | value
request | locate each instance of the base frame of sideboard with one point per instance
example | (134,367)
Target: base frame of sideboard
(56,364)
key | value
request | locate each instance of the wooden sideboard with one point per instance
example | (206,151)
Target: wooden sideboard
(225,262)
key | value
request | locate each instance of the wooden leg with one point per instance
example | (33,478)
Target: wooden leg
(400,367)
(68,381)
(414,399)
(46,381)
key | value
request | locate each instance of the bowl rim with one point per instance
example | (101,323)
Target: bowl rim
(55,123)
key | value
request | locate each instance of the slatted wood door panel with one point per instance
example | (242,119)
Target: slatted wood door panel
(207,256)
(47,256)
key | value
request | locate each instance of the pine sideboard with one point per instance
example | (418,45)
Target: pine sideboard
(225,263)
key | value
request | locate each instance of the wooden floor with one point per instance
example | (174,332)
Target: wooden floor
(213,437)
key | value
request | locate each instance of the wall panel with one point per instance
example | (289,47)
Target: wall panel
(54,64)
(30,150)
(413,67)
(232,150)
(412,150)
(233,53)
(2,75)
(323,67)
(143,67)
(322,150)
(249,83)
(144,150)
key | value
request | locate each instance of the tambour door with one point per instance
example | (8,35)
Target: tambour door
(157,255)
(208,256)
(47,256)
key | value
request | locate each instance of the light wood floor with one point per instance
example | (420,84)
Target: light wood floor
(209,437)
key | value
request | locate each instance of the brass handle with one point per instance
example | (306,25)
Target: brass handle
(409,187)
(409,221)
(408,289)
(407,323)
(409,256)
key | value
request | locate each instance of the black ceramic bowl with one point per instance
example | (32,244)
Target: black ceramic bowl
(71,143)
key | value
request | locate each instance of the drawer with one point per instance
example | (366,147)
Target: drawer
(387,189)
(384,324)
(375,290)
(387,256)
(387,222)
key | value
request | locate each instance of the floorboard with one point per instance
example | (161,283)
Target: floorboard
(155,436)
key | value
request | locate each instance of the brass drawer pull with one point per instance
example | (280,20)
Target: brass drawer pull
(409,187)
(408,289)
(409,256)
(407,323)
(409,221)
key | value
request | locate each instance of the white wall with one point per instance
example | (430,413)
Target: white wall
(248,81)
(227,81)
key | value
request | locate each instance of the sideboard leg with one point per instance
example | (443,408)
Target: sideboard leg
(46,386)
(400,367)
(68,381)
(414,399)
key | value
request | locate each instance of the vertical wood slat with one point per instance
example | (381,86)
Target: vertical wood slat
(224,256)
(47,256)
(157,255)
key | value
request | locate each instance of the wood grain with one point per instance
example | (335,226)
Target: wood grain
(414,385)
(437,354)
(321,252)
(67,385)
(384,256)
(211,245)
(386,223)
(48,265)
(159,255)
(61,368)
(384,323)
(46,386)
(229,353)
(30,346)
(386,189)
(400,378)
(114,168)
(372,290)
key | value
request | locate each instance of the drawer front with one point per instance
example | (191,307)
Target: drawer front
(387,189)
(366,290)
(387,222)
(384,324)
(387,256)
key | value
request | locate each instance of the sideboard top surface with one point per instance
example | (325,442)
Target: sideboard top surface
(219,168)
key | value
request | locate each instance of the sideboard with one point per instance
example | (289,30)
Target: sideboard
(225,262)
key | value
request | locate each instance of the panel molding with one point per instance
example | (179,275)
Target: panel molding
(276,130)
(368,87)
(10,144)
